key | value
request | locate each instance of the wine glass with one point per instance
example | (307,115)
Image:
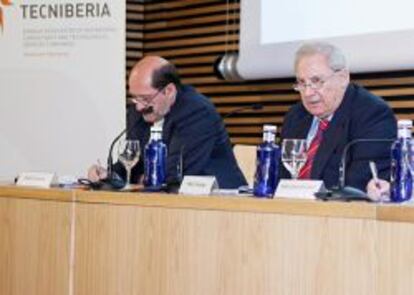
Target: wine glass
(128,155)
(294,154)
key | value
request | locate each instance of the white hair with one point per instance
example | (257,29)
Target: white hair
(335,56)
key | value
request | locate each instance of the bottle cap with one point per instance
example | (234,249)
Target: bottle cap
(405,123)
(269,128)
(156,128)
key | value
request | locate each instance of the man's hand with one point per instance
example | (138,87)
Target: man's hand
(378,190)
(96,173)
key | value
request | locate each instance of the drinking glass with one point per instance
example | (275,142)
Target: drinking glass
(294,154)
(128,155)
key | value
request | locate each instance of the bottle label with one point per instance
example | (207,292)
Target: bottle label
(155,164)
(269,137)
(401,177)
(404,133)
(267,170)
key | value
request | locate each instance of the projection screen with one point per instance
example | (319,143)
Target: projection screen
(376,35)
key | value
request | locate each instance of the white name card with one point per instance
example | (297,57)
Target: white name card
(37,179)
(299,189)
(198,185)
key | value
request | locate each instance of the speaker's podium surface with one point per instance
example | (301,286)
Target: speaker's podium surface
(79,242)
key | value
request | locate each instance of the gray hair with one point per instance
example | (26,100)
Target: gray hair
(335,56)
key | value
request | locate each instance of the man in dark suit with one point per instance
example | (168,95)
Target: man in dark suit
(196,139)
(332,113)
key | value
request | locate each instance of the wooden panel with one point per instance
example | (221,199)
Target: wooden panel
(134,34)
(135,250)
(166,5)
(188,42)
(174,13)
(396,266)
(132,26)
(34,246)
(135,16)
(129,243)
(213,29)
(233,204)
(203,20)
(167,53)
(288,98)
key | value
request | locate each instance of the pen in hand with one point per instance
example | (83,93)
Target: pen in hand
(374,173)
(99,171)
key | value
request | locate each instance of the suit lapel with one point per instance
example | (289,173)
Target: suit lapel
(172,117)
(301,128)
(166,131)
(333,136)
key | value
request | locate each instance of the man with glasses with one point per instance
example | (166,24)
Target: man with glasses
(334,112)
(196,139)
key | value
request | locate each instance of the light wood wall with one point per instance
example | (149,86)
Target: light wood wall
(77,242)
(194,33)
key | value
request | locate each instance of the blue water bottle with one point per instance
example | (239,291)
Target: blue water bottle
(401,178)
(155,161)
(267,164)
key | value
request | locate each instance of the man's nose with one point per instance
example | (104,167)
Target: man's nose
(308,91)
(139,106)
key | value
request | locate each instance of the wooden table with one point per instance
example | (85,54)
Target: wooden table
(79,242)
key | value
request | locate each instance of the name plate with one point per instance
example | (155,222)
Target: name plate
(37,179)
(198,185)
(299,189)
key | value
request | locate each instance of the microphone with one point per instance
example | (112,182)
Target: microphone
(113,181)
(348,193)
(255,107)
(110,161)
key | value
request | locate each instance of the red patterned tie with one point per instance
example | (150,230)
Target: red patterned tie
(305,172)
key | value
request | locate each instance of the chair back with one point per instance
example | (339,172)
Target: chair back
(246,159)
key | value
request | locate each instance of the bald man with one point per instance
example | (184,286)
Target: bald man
(192,128)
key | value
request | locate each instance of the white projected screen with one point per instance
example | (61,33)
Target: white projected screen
(337,18)
(375,35)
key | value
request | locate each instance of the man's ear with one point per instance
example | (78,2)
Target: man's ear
(170,90)
(345,77)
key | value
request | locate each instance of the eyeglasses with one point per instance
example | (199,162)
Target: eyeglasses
(145,99)
(315,83)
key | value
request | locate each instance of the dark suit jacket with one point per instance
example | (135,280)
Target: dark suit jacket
(360,115)
(194,130)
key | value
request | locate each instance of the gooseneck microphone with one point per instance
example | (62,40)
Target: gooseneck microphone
(348,193)
(113,181)
(254,107)
(342,167)
(110,162)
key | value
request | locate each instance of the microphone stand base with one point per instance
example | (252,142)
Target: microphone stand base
(344,194)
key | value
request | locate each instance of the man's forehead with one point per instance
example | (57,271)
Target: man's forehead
(312,66)
(140,82)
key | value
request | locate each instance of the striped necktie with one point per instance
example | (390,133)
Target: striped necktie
(305,172)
